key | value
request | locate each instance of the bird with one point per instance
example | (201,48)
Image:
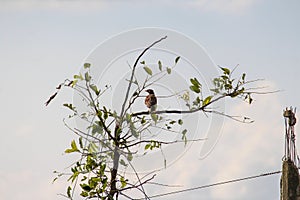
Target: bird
(151,100)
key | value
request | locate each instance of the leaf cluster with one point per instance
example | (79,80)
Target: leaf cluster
(111,138)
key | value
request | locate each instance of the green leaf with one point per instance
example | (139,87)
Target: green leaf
(147,146)
(135,93)
(123,182)
(248,96)
(228,86)
(86,65)
(216,91)
(195,82)
(225,70)
(95,89)
(184,138)
(118,131)
(91,164)
(84,178)
(206,100)
(197,101)
(172,122)
(128,117)
(80,143)
(143,120)
(94,181)
(85,187)
(74,176)
(186,96)
(134,133)
(154,117)
(177,59)
(143,62)
(73,145)
(73,148)
(169,70)
(195,88)
(69,191)
(105,112)
(237,93)
(250,100)
(74,83)
(243,77)
(122,162)
(78,77)
(97,128)
(159,65)
(92,148)
(224,77)
(180,122)
(148,70)
(87,76)
(84,194)
(153,144)
(133,130)
(69,151)
(70,106)
(54,179)
(102,168)
(129,156)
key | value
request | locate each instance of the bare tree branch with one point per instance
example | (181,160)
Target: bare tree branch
(201,108)
(133,71)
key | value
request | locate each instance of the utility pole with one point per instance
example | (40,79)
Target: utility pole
(289,183)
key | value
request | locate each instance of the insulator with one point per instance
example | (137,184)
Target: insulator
(292,120)
(287,113)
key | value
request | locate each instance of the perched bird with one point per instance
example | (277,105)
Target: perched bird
(150,100)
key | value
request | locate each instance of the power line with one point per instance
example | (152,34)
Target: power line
(214,184)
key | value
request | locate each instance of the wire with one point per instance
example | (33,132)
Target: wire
(214,184)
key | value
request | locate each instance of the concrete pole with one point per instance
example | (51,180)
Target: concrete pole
(289,181)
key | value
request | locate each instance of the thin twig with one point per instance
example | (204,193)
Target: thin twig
(139,180)
(97,111)
(163,142)
(136,186)
(133,71)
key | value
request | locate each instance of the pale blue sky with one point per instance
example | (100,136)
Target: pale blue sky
(44,42)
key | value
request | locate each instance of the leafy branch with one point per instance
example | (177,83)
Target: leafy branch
(111,139)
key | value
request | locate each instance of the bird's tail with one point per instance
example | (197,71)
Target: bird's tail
(153,108)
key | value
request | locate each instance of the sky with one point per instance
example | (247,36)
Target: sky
(44,42)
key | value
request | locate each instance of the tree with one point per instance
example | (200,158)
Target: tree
(112,138)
